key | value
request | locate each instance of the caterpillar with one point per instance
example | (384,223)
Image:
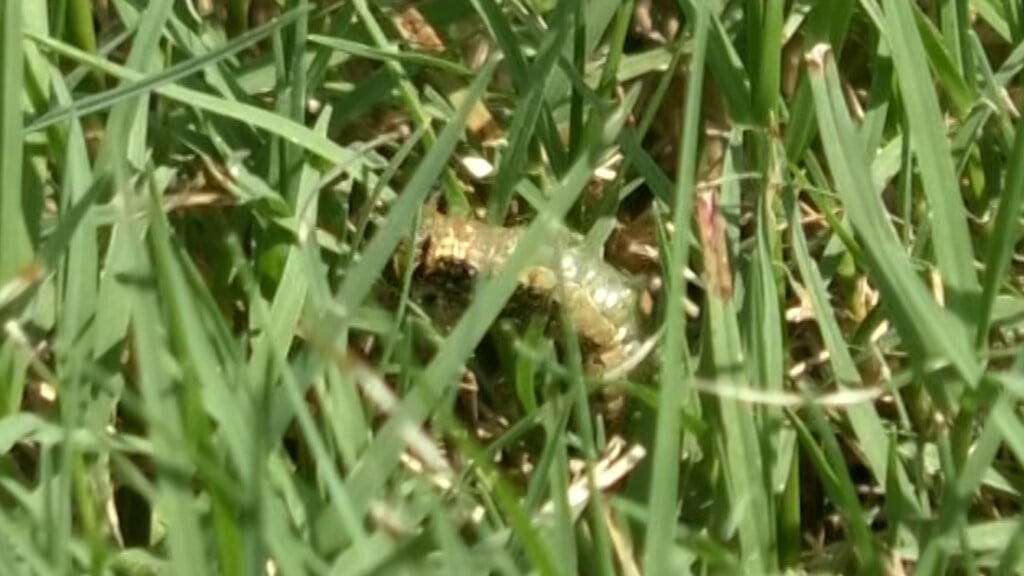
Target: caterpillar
(601,303)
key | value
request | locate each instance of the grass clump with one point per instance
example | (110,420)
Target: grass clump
(730,288)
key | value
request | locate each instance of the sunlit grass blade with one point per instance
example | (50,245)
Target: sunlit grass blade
(341,508)
(764,336)
(1005,235)
(203,373)
(874,440)
(766,89)
(749,510)
(825,23)
(370,52)
(922,324)
(164,410)
(947,58)
(931,149)
(676,371)
(14,230)
(81,28)
(724,65)
(126,128)
(501,29)
(77,287)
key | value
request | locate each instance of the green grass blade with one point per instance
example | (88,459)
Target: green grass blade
(826,23)
(77,287)
(828,458)
(766,91)
(452,190)
(921,323)
(385,55)
(947,61)
(14,230)
(1003,241)
(163,411)
(675,369)
(931,148)
(126,128)
(874,441)
(725,66)
(503,33)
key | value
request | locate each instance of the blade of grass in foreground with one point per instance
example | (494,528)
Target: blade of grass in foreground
(340,504)
(920,321)
(874,441)
(16,252)
(827,456)
(290,294)
(1004,236)
(77,304)
(162,410)
(738,442)
(14,232)
(128,118)
(766,89)
(675,369)
(928,140)
(126,140)
(203,384)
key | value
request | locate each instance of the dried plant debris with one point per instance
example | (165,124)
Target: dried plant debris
(602,303)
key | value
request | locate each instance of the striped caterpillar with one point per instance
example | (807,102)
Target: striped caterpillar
(601,303)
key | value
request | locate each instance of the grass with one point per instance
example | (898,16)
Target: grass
(216,358)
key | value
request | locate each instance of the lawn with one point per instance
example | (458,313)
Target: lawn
(511,287)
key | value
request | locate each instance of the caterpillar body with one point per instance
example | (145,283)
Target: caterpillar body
(601,303)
